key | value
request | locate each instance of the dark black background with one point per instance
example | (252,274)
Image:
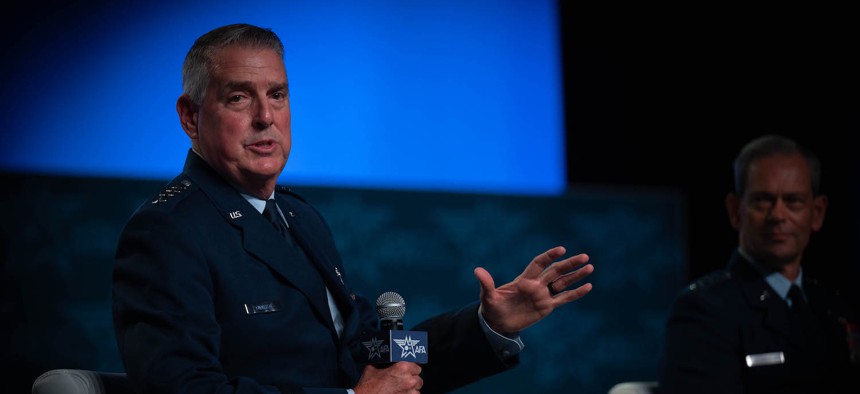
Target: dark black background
(664,96)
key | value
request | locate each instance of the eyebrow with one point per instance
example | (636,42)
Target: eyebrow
(249,86)
(784,194)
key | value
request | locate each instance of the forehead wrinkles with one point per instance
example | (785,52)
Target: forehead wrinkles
(779,173)
(249,76)
(250,58)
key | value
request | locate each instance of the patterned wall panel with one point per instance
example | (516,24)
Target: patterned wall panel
(60,233)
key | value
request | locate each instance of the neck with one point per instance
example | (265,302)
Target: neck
(262,190)
(790,270)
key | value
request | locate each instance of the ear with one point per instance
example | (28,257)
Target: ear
(733,206)
(188,111)
(819,208)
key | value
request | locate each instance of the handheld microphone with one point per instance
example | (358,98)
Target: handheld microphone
(390,307)
(391,343)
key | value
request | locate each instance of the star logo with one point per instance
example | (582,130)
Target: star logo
(374,346)
(407,346)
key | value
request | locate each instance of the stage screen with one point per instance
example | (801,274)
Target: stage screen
(421,95)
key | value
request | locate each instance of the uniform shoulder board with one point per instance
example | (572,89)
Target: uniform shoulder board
(173,189)
(710,280)
(287,190)
(822,287)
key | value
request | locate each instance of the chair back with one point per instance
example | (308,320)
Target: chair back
(644,387)
(81,381)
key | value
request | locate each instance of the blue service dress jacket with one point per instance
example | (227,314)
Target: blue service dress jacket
(209,298)
(730,333)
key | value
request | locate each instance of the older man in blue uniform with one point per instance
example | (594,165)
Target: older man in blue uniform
(225,282)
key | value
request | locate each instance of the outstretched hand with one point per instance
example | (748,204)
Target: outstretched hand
(534,294)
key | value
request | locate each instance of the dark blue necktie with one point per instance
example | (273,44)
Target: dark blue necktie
(271,213)
(796,297)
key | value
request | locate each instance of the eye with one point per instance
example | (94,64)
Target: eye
(234,99)
(760,199)
(794,201)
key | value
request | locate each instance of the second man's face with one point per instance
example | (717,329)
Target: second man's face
(778,212)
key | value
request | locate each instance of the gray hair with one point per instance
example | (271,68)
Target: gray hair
(199,64)
(769,145)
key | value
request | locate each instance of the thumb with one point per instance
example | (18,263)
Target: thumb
(485,280)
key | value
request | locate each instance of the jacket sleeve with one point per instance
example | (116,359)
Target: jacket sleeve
(458,351)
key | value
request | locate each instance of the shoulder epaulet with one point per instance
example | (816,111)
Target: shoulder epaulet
(287,190)
(173,189)
(710,280)
(821,286)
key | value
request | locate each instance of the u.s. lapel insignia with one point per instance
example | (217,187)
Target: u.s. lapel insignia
(235,214)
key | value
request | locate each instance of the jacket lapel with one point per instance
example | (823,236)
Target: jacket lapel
(262,241)
(333,275)
(773,309)
(259,238)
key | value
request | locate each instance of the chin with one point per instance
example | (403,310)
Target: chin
(268,167)
(779,257)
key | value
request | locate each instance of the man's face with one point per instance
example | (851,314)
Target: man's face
(242,127)
(778,212)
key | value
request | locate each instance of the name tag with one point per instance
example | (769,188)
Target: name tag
(262,307)
(762,359)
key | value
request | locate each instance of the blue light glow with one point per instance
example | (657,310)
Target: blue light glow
(416,95)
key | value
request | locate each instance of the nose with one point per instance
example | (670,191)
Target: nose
(263,117)
(777,211)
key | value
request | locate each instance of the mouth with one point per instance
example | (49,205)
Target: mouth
(778,237)
(264,146)
(263,143)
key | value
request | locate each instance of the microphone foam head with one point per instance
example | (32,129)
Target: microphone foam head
(390,305)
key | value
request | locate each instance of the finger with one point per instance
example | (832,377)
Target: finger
(485,280)
(573,294)
(541,261)
(564,267)
(562,282)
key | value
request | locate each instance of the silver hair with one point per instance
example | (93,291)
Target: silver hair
(769,145)
(199,64)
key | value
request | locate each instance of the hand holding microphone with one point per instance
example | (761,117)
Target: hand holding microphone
(397,378)
(391,343)
(393,354)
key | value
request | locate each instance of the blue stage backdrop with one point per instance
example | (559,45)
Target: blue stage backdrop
(425,95)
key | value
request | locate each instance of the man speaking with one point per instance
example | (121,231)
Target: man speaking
(225,282)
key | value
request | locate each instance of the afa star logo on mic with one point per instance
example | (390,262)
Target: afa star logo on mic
(409,346)
(375,348)
(412,346)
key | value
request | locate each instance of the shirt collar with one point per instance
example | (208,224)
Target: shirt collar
(777,282)
(259,204)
